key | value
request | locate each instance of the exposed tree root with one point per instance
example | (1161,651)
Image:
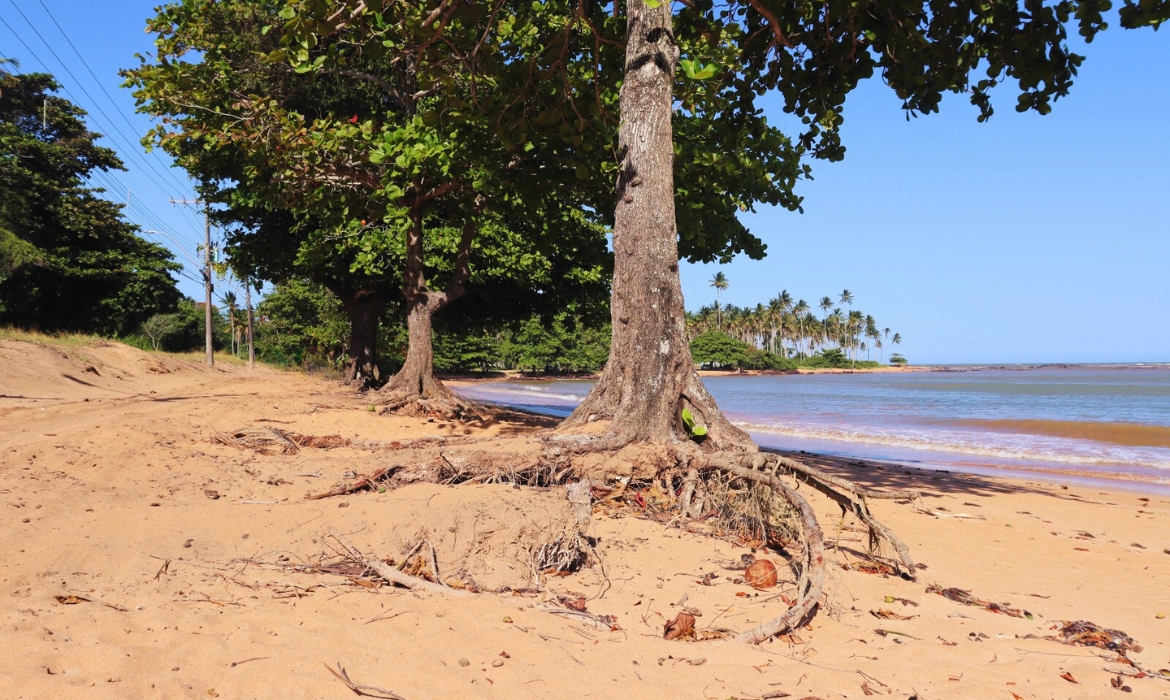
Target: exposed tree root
(428,399)
(392,575)
(812,570)
(682,474)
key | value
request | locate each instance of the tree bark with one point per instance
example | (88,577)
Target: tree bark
(650,375)
(417,379)
(364,309)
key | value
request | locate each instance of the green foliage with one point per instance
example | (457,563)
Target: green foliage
(68,261)
(302,324)
(897,359)
(696,431)
(815,54)
(564,343)
(719,350)
(323,156)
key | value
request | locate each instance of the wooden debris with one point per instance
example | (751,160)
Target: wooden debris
(958,595)
(368,691)
(392,575)
(262,440)
(362,483)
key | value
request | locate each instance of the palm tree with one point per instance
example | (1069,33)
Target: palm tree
(838,323)
(800,311)
(780,306)
(826,304)
(846,298)
(229,300)
(719,282)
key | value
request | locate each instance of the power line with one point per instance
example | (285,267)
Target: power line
(130,149)
(97,81)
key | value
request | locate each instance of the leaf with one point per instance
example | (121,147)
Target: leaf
(705,72)
(1069,677)
(287,13)
(699,431)
(688,419)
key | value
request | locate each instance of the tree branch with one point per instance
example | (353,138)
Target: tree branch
(457,287)
(773,22)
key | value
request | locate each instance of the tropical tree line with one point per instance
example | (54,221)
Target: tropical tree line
(790,328)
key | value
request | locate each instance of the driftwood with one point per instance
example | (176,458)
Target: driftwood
(365,482)
(262,440)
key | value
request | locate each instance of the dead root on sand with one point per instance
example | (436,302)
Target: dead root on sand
(751,496)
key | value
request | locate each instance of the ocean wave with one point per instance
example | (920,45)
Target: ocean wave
(988,445)
(503,394)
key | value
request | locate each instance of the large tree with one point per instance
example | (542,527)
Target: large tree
(543,79)
(68,260)
(813,55)
(367,171)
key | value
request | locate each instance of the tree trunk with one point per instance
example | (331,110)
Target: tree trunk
(417,379)
(650,375)
(417,376)
(364,309)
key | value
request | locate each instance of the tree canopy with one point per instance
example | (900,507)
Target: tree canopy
(68,260)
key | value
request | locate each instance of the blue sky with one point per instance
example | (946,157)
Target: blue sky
(1024,239)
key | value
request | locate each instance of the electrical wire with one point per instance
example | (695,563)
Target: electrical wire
(99,84)
(129,150)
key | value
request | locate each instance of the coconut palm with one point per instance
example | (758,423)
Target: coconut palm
(826,305)
(719,282)
(780,307)
(800,311)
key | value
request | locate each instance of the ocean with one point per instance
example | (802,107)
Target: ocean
(1069,423)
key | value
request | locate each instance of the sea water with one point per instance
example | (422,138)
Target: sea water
(1085,420)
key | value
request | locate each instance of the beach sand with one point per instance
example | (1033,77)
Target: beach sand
(109,465)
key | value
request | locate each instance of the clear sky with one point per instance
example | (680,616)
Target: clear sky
(1024,239)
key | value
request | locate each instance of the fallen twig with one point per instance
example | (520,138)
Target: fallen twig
(368,691)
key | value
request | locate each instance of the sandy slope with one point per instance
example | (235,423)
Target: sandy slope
(104,475)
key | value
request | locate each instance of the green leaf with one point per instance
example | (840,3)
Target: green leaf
(287,13)
(705,72)
(688,419)
(699,431)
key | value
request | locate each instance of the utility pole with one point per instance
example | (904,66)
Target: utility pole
(207,285)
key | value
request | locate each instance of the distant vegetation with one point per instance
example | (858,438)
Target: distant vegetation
(786,334)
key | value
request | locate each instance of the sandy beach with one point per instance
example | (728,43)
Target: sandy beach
(146,558)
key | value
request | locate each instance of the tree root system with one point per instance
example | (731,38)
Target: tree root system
(750,495)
